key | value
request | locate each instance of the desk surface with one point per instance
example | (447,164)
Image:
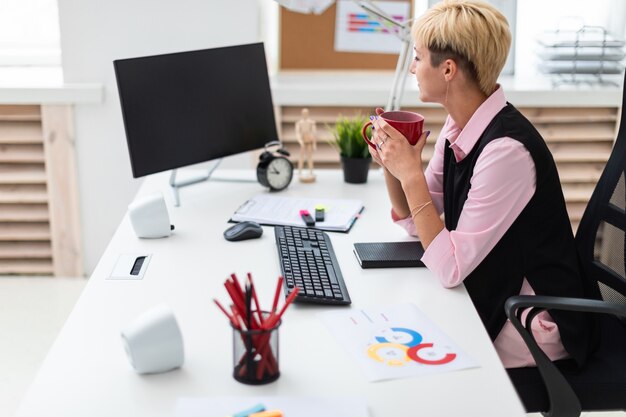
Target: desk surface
(86,372)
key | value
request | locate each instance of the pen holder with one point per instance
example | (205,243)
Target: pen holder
(255,354)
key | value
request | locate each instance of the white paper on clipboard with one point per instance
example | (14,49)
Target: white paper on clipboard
(339,214)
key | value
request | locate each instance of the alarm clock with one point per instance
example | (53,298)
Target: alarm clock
(274,169)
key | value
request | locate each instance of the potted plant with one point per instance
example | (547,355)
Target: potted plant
(355,157)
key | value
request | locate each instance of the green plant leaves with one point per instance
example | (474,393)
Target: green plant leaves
(347,137)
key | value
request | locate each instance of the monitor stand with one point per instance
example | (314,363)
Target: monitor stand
(175,186)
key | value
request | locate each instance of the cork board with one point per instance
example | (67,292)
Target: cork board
(307,41)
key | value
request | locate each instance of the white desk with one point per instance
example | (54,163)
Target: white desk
(86,372)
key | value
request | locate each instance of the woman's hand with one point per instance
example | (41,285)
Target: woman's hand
(374,152)
(375,156)
(400,158)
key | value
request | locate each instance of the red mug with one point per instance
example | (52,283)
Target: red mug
(408,123)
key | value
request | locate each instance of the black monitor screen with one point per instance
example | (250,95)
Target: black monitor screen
(183,108)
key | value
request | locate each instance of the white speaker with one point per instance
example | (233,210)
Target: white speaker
(153,341)
(149,217)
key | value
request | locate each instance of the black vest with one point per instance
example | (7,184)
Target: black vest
(539,245)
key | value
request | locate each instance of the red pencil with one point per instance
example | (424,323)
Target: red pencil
(256,299)
(241,305)
(238,302)
(263,343)
(279,284)
(237,318)
(273,319)
(231,318)
(236,285)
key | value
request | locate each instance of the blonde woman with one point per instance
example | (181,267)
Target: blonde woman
(506,229)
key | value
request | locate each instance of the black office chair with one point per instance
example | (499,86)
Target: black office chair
(558,389)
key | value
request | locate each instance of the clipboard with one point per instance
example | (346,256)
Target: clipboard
(389,254)
(340,214)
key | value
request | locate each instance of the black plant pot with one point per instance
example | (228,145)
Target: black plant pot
(355,170)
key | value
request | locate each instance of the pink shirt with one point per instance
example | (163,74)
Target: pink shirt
(502,184)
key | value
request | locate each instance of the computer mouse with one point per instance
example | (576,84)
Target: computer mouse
(243,231)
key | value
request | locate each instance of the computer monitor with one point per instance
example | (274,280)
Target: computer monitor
(189,107)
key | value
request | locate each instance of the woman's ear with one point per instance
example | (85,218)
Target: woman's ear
(449,69)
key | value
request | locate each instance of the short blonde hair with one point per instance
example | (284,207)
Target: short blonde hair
(473,33)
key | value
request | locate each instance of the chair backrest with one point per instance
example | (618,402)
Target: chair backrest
(600,237)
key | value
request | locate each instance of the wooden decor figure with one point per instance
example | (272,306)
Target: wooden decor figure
(306,136)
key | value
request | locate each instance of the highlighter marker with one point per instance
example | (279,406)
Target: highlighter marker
(252,410)
(308,220)
(319,214)
(268,413)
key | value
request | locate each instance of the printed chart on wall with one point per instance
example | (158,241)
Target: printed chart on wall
(395,342)
(357,31)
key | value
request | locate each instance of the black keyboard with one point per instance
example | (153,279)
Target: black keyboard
(307,261)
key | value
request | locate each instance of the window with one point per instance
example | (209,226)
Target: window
(29,33)
(534,17)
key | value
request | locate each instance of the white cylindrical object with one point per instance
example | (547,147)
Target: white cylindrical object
(149,218)
(153,341)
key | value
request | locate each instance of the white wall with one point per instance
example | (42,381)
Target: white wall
(96,32)
(563,15)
